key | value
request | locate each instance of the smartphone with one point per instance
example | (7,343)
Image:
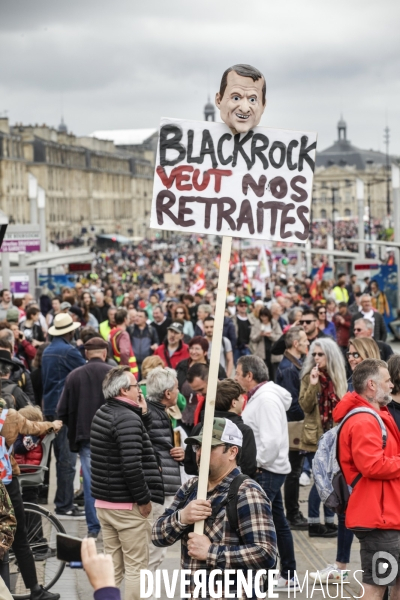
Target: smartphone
(68,548)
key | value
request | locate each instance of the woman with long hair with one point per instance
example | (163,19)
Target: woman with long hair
(324,325)
(87,300)
(359,349)
(323,383)
(180,311)
(379,299)
(265,330)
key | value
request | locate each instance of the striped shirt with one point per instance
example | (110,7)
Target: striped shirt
(254,549)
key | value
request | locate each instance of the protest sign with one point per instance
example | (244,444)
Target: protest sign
(256,184)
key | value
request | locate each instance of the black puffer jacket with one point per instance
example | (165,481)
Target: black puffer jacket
(123,462)
(161,437)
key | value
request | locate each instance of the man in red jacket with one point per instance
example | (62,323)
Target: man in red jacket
(373,510)
(173,349)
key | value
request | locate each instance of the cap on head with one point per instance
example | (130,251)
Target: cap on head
(65,305)
(177,327)
(224,432)
(12,315)
(96,343)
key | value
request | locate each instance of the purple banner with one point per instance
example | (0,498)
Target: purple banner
(21,245)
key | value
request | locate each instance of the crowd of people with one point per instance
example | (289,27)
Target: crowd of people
(117,366)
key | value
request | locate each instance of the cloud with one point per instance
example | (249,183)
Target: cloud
(125,64)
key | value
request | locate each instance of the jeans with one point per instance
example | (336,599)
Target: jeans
(292,485)
(271,483)
(22,550)
(307,463)
(344,541)
(238,352)
(314,502)
(65,468)
(90,511)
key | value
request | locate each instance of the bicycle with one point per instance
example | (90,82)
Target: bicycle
(42,528)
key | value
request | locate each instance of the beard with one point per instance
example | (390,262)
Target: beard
(383,399)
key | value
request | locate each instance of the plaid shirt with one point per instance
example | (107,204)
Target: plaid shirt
(256,548)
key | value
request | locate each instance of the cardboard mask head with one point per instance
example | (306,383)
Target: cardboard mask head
(241,98)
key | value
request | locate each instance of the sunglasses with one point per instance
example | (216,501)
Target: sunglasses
(353,354)
(302,322)
(320,354)
(322,312)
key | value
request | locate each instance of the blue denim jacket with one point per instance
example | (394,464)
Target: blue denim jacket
(59,359)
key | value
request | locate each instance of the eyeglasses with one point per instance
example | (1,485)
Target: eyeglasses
(322,312)
(136,385)
(353,354)
(197,447)
(314,354)
(302,322)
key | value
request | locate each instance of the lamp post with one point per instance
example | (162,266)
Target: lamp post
(334,190)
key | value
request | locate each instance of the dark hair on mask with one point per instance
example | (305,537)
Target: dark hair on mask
(243,71)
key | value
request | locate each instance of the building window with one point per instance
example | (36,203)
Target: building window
(347,212)
(323,214)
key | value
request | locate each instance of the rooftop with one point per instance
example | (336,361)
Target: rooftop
(125,137)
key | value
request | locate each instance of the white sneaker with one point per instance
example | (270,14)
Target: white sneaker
(287,585)
(331,574)
(304,479)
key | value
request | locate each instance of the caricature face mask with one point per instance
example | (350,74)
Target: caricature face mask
(242,102)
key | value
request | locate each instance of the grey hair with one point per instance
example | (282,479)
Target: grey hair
(256,366)
(368,324)
(292,313)
(8,336)
(292,335)
(206,307)
(158,381)
(366,295)
(116,380)
(335,365)
(5,368)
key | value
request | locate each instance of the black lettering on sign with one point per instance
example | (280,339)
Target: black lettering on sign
(171,143)
(274,206)
(226,213)
(302,194)
(239,143)
(304,150)
(291,165)
(258,188)
(190,157)
(162,208)
(209,203)
(277,164)
(207,147)
(246,216)
(301,213)
(258,150)
(278,187)
(222,139)
(286,220)
(184,210)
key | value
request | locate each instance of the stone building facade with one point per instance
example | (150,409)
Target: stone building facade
(91,185)
(337,169)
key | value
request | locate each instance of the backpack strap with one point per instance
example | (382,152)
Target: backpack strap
(357,411)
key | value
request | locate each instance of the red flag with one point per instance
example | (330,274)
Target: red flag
(317,279)
(245,279)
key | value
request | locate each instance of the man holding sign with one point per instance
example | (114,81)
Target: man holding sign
(229,179)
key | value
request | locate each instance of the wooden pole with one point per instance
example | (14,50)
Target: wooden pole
(213,374)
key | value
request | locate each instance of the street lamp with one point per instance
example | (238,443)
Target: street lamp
(333,190)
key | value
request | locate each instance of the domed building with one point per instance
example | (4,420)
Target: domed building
(209,111)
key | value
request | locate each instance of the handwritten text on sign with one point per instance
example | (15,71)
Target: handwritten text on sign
(257,184)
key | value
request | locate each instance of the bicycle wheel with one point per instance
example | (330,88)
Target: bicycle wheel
(42,527)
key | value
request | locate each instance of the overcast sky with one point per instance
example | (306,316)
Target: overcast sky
(123,64)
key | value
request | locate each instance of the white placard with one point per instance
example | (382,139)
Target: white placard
(257,184)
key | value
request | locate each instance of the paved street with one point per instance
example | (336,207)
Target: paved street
(311,554)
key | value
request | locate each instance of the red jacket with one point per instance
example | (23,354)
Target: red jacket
(374,502)
(182,353)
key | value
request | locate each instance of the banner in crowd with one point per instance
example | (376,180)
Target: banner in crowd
(258,184)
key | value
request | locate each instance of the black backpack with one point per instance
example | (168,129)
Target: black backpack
(230,501)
